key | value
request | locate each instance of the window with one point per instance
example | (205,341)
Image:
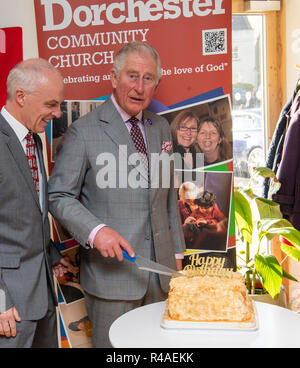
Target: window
(248,103)
(273,91)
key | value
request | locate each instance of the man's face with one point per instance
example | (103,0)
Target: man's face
(136,84)
(43,105)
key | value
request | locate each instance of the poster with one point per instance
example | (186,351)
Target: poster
(193,39)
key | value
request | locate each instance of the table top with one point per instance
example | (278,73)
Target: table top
(141,328)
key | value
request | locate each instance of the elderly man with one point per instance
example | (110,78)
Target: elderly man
(28,318)
(106,218)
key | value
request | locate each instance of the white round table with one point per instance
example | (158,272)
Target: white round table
(140,328)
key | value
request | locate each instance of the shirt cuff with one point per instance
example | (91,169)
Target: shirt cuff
(179,255)
(93,233)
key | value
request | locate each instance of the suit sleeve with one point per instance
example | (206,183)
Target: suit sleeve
(65,186)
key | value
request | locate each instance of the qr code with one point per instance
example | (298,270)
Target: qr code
(214,41)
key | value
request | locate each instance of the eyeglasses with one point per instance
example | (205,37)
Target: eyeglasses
(147,79)
(185,129)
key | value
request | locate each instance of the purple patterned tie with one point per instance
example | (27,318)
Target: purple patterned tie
(138,140)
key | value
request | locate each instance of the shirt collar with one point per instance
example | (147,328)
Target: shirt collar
(20,130)
(123,113)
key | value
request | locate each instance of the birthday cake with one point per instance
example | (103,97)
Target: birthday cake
(209,298)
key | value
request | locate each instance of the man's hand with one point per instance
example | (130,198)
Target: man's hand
(179,264)
(62,267)
(8,320)
(110,243)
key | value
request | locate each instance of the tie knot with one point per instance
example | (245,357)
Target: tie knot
(29,136)
(133,120)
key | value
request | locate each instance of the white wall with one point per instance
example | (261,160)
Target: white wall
(20,13)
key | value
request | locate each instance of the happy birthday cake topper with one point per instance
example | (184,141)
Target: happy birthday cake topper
(211,266)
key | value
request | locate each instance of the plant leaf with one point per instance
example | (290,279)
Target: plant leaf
(243,216)
(291,251)
(282,227)
(268,209)
(265,172)
(270,272)
(288,276)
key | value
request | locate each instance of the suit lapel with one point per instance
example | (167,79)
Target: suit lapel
(153,139)
(154,147)
(18,155)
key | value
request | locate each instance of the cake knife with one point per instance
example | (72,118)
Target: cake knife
(147,265)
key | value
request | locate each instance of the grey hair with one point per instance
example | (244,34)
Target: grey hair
(27,74)
(140,47)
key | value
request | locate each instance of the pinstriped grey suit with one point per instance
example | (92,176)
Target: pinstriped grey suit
(137,214)
(25,252)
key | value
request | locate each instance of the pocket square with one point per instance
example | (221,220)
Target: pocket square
(166,146)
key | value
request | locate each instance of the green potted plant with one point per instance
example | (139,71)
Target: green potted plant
(257,218)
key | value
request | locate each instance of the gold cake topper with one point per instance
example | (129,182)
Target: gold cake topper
(211,266)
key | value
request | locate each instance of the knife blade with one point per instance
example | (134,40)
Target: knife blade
(147,265)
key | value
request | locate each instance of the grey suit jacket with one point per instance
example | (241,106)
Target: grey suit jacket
(24,230)
(136,213)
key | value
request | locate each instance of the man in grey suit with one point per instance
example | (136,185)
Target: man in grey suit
(107,201)
(28,316)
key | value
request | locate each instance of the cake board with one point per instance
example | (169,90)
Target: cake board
(169,324)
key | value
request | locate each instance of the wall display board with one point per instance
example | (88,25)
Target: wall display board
(193,38)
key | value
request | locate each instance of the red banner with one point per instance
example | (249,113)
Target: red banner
(193,38)
(11,52)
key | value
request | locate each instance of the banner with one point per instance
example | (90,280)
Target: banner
(11,53)
(193,39)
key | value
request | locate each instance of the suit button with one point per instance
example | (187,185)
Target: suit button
(147,237)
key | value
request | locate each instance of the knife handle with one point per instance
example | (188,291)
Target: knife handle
(127,256)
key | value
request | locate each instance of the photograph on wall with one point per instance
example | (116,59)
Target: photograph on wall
(62,235)
(202,135)
(204,127)
(75,327)
(205,212)
(76,324)
(68,284)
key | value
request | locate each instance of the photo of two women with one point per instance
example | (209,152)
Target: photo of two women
(204,203)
